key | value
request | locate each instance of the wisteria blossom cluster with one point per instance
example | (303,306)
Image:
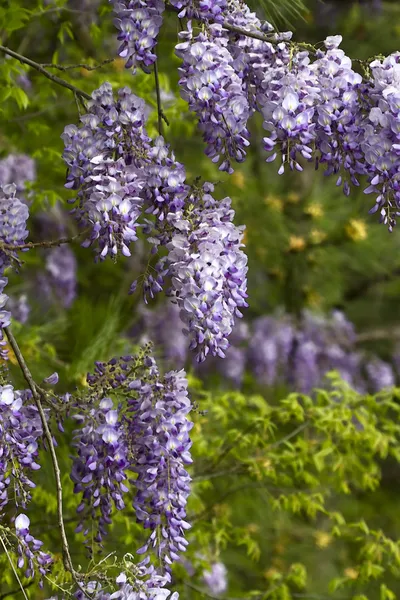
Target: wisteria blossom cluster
(315,106)
(17,169)
(299,355)
(97,160)
(122,176)
(98,472)
(13,217)
(214,91)
(13,232)
(208,273)
(20,432)
(29,553)
(138,23)
(161,429)
(146,433)
(58,280)
(279,351)
(125,590)
(20,435)
(216,578)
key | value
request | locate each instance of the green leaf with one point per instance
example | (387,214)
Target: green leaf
(21,97)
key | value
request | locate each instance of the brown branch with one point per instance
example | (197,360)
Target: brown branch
(158,96)
(378,334)
(77,66)
(44,244)
(42,70)
(160,113)
(49,438)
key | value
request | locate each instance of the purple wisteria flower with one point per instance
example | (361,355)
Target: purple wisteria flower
(208,272)
(299,355)
(127,589)
(380,375)
(216,578)
(203,9)
(98,471)
(122,175)
(287,101)
(381,137)
(19,308)
(17,169)
(102,156)
(138,23)
(214,91)
(60,277)
(147,434)
(338,114)
(5,317)
(29,554)
(20,431)
(160,429)
(13,217)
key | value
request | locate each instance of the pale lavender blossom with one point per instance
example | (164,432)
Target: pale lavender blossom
(216,579)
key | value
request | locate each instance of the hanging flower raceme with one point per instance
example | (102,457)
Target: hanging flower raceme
(13,217)
(214,92)
(138,23)
(208,270)
(338,114)
(30,556)
(20,432)
(17,169)
(103,157)
(59,280)
(381,137)
(148,434)
(19,308)
(5,317)
(216,578)
(160,430)
(99,470)
(251,56)
(287,101)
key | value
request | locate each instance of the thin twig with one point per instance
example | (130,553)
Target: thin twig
(38,67)
(158,96)
(59,9)
(44,244)
(160,113)
(77,66)
(289,436)
(378,334)
(49,438)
